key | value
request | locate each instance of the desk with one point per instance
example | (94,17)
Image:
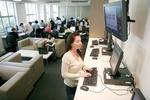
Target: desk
(101,63)
(19,34)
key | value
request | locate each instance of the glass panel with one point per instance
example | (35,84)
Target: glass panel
(31,11)
(34,17)
(12,21)
(55,11)
(28,18)
(1,26)
(41,13)
(48,12)
(3,8)
(10,8)
(5,22)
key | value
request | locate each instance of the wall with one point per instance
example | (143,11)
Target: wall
(136,48)
(96,18)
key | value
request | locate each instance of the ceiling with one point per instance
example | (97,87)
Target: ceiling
(58,1)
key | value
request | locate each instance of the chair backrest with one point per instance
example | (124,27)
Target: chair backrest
(55,34)
(67,34)
(62,30)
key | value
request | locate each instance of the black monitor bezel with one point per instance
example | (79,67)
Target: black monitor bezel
(136,91)
(119,52)
(124,34)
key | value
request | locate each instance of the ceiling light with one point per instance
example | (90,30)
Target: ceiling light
(17,0)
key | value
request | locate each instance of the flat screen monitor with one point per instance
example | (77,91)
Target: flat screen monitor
(115,16)
(137,95)
(115,59)
(8,29)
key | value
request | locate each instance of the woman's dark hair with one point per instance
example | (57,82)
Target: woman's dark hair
(70,40)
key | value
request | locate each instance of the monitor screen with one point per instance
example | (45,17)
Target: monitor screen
(115,16)
(8,29)
(115,59)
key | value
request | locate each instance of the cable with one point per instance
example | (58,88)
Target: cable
(97,91)
(113,90)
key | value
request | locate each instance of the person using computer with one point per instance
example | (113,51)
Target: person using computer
(12,39)
(72,65)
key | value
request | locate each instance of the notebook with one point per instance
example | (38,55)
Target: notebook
(43,50)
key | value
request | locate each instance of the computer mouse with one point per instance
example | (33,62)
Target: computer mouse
(91,46)
(101,40)
(85,88)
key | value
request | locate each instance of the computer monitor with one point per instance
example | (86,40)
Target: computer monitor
(137,95)
(115,60)
(115,15)
(8,29)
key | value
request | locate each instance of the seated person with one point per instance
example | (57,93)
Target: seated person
(48,28)
(62,29)
(68,29)
(50,38)
(11,39)
(21,28)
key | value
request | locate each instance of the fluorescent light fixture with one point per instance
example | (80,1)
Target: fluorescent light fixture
(33,0)
(17,0)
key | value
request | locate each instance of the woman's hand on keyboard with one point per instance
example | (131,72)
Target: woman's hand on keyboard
(86,69)
(84,74)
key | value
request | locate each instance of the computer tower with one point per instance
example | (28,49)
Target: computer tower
(125,78)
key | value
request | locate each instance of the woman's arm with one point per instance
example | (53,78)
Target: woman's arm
(65,70)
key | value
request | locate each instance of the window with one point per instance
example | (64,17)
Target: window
(31,11)
(41,12)
(7,15)
(48,12)
(55,11)
(51,11)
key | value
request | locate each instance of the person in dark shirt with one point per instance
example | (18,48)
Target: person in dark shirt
(12,42)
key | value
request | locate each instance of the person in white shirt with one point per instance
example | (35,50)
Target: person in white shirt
(42,24)
(28,28)
(72,65)
(58,23)
(68,29)
(21,28)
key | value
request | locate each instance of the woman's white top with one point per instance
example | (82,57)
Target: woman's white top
(70,70)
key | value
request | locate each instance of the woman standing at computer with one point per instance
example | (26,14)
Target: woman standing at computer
(72,65)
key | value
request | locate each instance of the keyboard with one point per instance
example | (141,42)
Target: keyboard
(92,80)
(94,52)
(94,42)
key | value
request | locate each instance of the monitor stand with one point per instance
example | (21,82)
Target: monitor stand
(123,77)
(103,41)
(108,50)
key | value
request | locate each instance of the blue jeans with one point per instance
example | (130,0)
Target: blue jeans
(70,92)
